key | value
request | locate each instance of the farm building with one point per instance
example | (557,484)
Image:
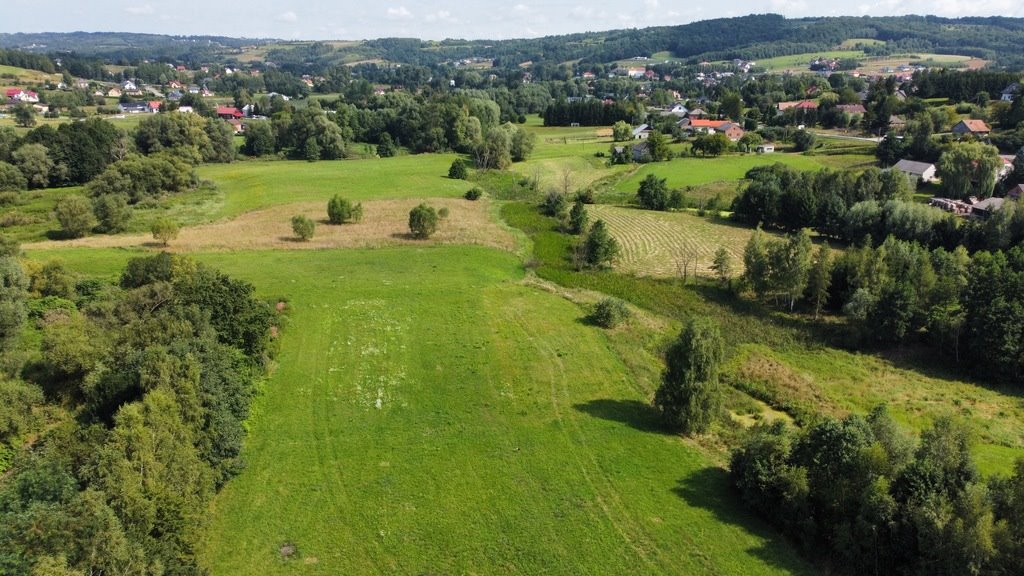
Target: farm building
(918,171)
(641,132)
(766,148)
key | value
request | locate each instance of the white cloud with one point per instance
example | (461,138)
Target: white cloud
(441,16)
(652,4)
(521,9)
(143,10)
(399,13)
(288,16)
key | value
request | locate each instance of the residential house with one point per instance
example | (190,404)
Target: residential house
(229,112)
(175,85)
(641,132)
(129,86)
(852,109)
(114,93)
(154,106)
(897,123)
(186,109)
(193,89)
(766,148)
(636,73)
(82,84)
(1016,193)
(1010,92)
(916,171)
(206,92)
(237,126)
(589,76)
(134,108)
(732,131)
(175,95)
(704,126)
(17,95)
(248,110)
(697,114)
(973,127)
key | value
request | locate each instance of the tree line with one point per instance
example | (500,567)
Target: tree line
(130,414)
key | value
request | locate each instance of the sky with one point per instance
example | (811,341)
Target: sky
(435,19)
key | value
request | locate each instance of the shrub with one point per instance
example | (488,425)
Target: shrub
(341,210)
(609,313)
(473,194)
(586,196)
(303,227)
(39,307)
(458,170)
(442,213)
(75,215)
(164,230)
(423,221)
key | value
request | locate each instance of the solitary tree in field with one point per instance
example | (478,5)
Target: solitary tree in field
(689,396)
(458,171)
(599,248)
(303,227)
(164,230)
(423,221)
(652,193)
(24,116)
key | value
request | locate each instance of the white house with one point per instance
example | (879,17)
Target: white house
(1010,92)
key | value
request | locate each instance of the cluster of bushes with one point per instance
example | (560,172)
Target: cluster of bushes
(147,384)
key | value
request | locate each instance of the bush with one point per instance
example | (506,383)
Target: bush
(341,210)
(805,140)
(423,221)
(164,230)
(75,215)
(609,313)
(586,196)
(473,194)
(303,227)
(458,170)
(39,307)
(442,213)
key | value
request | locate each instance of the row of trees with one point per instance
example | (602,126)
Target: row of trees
(147,387)
(863,496)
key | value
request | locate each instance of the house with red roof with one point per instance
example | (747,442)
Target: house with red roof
(15,95)
(229,112)
(973,127)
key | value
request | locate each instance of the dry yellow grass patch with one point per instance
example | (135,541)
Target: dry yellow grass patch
(385,223)
(659,243)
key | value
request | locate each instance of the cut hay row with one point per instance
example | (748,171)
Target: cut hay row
(659,243)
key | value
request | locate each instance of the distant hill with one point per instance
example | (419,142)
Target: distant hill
(996,39)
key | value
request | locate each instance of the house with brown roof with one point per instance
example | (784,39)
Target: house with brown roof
(852,109)
(973,127)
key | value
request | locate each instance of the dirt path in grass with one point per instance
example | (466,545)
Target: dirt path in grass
(384,223)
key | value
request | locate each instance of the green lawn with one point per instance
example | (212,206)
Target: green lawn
(689,171)
(802,61)
(431,415)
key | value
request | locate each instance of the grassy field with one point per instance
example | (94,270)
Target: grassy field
(431,414)
(689,171)
(801,62)
(17,77)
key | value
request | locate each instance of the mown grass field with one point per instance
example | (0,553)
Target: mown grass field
(660,243)
(430,414)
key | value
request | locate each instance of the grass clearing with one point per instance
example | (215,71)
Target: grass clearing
(249,185)
(429,415)
(385,223)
